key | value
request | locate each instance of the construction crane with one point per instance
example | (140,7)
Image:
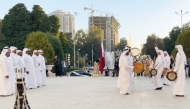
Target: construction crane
(92,12)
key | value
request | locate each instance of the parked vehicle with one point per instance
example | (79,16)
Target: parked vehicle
(79,73)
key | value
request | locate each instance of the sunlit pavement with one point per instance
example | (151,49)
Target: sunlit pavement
(99,93)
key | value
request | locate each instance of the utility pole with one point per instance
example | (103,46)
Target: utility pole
(181,15)
(92,55)
(74,42)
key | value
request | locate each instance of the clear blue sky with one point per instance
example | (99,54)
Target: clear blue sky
(138,17)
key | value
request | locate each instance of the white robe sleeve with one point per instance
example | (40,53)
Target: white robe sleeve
(127,64)
(177,62)
(156,48)
(25,61)
(158,63)
(4,68)
(35,62)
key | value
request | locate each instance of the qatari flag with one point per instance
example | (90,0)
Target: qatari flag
(102,59)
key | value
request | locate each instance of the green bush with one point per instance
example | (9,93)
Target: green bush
(54,41)
(38,40)
(183,39)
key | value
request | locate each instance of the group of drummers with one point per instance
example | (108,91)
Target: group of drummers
(162,66)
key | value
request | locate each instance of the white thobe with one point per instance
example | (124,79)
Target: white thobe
(124,75)
(5,83)
(31,77)
(14,58)
(37,65)
(167,65)
(180,83)
(12,74)
(159,67)
(20,65)
(131,73)
(43,68)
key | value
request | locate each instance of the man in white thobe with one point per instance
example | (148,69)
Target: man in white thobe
(131,59)
(180,84)
(14,56)
(124,79)
(38,69)
(159,64)
(30,70)
(20,64)
(5,72)
(43,67)
(167,66)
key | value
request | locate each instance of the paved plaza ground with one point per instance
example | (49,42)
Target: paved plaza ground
(92,93)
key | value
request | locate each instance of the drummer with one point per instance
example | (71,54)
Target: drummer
(159,68)
(167,66)
(180,83)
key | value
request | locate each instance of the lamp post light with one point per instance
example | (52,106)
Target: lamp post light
(74,41)
(181,14)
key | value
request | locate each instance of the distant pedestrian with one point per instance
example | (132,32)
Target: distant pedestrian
(56,65)
(63,66)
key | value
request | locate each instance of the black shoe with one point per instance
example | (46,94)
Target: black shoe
(158,88)
(126,94)
(30,88)
(164,84)
(179,95)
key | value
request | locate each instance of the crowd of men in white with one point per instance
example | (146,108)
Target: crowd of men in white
(126,65)
(12,59)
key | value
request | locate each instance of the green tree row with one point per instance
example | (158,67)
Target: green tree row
(176,36)
(19,22)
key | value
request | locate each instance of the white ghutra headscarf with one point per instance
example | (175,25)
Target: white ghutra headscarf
(180,50)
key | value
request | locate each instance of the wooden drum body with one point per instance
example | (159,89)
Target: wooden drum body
(153,72)
(164,72)
(171,75)
(138,67)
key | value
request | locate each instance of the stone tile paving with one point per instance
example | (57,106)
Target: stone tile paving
(92,93)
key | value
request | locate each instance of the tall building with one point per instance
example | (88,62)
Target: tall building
(130,41)
(109,26)
(67,21)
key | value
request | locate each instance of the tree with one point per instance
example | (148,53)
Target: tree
(66,44)
(16,25)
(2,37)
(148,47)
(94,37)
(39,20)
(38,40)
(54,25)
(81,39)
(121,45)
(55,43)
(184,39)
(173,37)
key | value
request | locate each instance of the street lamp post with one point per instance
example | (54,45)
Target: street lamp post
(75,14)
(181,14)
(78,57)
(92,54)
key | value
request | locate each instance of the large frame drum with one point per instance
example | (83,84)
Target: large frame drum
(171,76)
(153,72)
(138,67)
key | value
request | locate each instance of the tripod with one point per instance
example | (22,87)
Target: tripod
(21,98)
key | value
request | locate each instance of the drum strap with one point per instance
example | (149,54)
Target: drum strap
(156,66)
